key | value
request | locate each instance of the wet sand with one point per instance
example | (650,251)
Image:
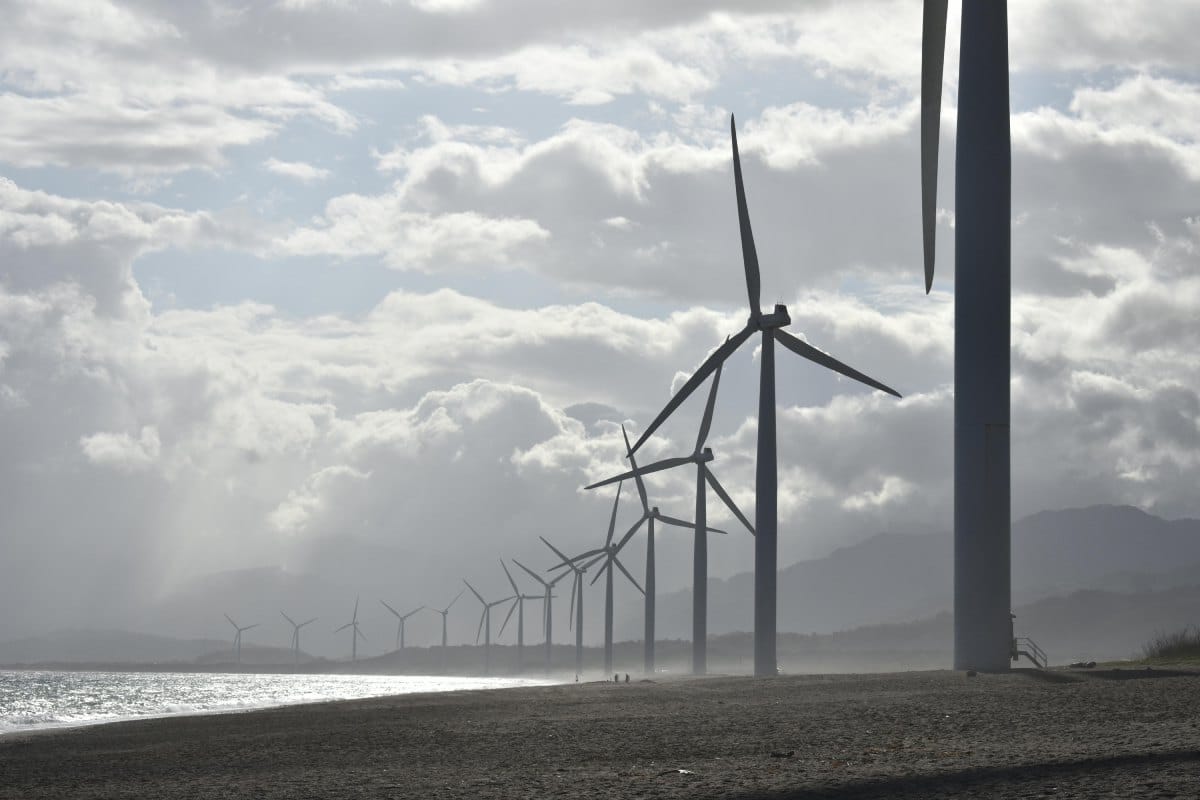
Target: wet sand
(1123,733)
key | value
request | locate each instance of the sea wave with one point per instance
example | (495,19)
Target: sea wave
(36,700)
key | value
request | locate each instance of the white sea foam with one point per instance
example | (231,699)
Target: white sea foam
(31,700)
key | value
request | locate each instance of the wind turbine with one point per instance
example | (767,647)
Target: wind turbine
(354,637)
(402,619)
(519,605)
(295,645)
(237,638)
(485,624)
(771,326)
(445,613)
(607,554)
(704,477)
(576,609)
(982,316)
(547,616)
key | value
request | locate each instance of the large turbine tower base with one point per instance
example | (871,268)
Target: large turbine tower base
(766,523)
(982,526)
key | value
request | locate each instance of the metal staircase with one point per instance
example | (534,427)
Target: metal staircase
(1024,646)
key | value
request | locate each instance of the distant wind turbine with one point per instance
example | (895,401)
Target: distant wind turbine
(356,635)
(576,609)
(547,615)
(519,605)
(608,555)
(649,515)
(400,624)
(295,644)
(485,625)
(701,456)
(445,612)
(770,326)
(982,316)
(237,638)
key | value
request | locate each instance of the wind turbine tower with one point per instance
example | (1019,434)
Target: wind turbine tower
(982,316)
(519,605)
(445,612)
(485,626)
(237,638)
(295,644)
(547,615)
(576,610)
(356,635)
(771,328)
(701,456)
(402,618)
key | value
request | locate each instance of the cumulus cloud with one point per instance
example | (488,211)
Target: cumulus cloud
(300,170)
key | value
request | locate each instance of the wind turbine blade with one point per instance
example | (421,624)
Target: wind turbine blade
(479,630)
(599,572)
(248,627)
(612,521)
(389,608)
(726,499)
(508,574)
(289,619)
(592,563)
(532,574)
(231,622)
(629,534)
(339,630)
(632,580)
(806,350)
(477,594)
(355,617)
(712,362)
(749,256)
(706,420)
(641,486)
(361,635)
(571,613)
(455,600)
(557,552)
(309,622)
(933,56)
(657,466)
(676,521)
(507,617)
(415,610)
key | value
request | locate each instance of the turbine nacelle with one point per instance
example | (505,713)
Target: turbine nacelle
(778,318)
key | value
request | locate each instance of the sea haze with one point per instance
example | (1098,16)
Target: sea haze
(31,700)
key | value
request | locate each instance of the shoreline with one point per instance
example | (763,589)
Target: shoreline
(467,683)
(1118,732)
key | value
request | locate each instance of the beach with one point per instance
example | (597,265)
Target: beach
(1130,732)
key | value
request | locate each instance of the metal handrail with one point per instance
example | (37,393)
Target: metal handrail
(1037,654)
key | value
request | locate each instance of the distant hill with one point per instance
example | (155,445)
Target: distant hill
(892,577)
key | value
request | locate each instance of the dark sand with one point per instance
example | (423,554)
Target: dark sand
(1128,733)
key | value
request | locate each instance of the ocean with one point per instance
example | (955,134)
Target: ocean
(31,700)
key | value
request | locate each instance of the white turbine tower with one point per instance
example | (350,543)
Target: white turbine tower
(356,635)
(547,615)
(402,618)
(295,643)
(982,316)
(701,457)
(237,638)
(770,328)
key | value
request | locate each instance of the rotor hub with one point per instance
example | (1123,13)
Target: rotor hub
(776,319)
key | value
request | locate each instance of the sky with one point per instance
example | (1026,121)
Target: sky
(280,274)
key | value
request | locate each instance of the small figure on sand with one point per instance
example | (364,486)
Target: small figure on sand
(627,677)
